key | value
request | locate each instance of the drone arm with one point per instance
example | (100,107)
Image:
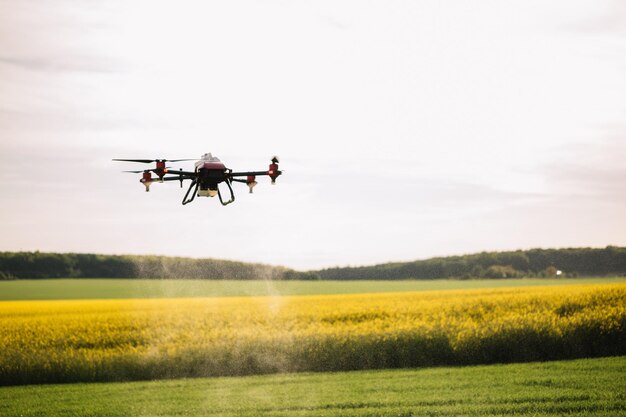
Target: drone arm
(249,173)
(179,173)
(178,178)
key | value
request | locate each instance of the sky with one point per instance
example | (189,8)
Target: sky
(406,129)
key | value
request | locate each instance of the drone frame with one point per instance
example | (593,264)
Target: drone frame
(212,179)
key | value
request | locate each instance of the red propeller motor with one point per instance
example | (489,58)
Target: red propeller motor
(147,179)
(273,172)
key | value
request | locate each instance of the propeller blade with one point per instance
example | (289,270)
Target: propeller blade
(138,172)
(143,161)
(147,161)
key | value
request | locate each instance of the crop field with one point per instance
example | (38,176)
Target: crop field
(110,340)
(577,388)
(107,288)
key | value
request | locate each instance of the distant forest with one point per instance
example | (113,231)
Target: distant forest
(533,263)
(570,262)
(39,265)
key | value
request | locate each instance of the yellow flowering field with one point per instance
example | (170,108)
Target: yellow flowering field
(105,340)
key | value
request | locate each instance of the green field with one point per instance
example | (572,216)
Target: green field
(73,289)
(586,387)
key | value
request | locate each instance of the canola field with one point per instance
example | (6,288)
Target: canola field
(112,340)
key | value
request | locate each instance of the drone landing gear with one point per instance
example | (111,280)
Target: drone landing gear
(186,198)
(232,195)
(192,191)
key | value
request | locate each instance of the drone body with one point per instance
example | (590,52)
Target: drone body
(208,173)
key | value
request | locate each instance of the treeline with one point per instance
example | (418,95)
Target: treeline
(515,264)
(39,265)
(570,262)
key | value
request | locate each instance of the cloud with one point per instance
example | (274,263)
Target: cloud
(45,121)
(83,63)
(401,191)
(611,20)
(590,171)
(591,182)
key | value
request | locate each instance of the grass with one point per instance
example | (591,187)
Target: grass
(586,387)
(73,289)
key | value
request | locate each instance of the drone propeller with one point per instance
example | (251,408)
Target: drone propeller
(147,161)
(144,170)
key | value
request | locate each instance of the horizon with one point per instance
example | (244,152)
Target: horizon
(409,130)
(325,267)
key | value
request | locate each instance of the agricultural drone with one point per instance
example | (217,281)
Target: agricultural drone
(209,172)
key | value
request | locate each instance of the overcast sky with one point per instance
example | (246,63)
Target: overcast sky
(406,129)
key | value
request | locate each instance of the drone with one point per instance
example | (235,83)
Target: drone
(209,172)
